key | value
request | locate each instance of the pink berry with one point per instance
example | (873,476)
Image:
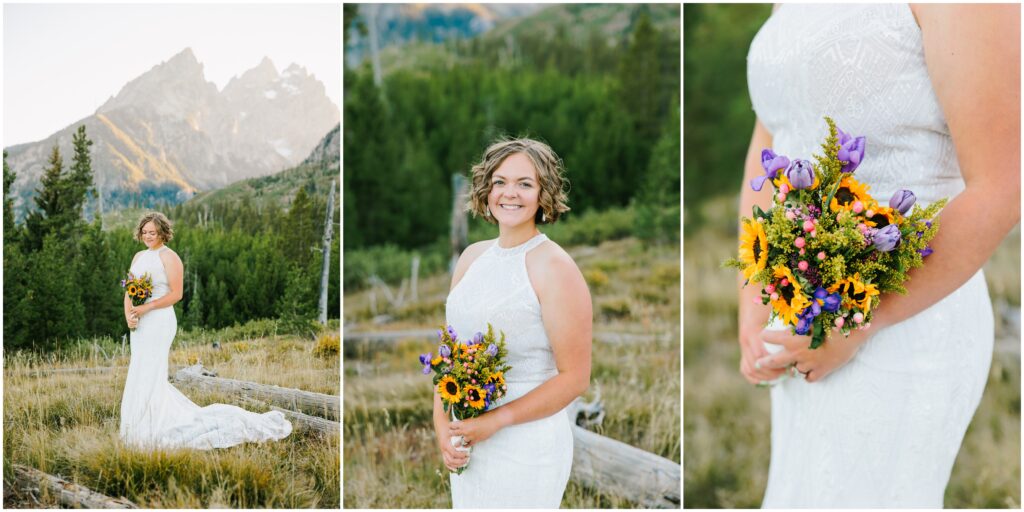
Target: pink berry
(775,296)
(808,225)
(821,255)
(858,206)
(802,265)
(814,234)
(802,251)
(790,214)
(800,242)
(858,318)
(840,322)
(863,228)
(784,282)
(870,213)
(770,288)
(473,381)
(784,188)
(780,197)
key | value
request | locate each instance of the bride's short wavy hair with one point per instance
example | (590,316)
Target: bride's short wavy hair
(550,173)
(164,226)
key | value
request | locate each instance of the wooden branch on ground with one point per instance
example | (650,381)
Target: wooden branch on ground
(326,406)
(68,494)
(393,336)
(310,422)
(616,468)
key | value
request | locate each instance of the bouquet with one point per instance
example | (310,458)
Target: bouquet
(470,376)
(826,249)
(139,289)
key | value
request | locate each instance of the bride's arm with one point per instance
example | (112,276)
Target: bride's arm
(973,58)
(568,321)
(753,316)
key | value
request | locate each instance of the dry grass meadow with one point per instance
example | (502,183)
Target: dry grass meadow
(66,424)
(726,421)
(390,456)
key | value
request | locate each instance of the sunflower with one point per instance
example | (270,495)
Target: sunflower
(132,290)
(883,216)
(497,378)
(791,301)
(449,389)
(849,192)
(856,293)
(475,396)
(753,248)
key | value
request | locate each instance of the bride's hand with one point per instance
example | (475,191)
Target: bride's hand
(817,363)
(138,311)
(453,457)
(476,430)
(133,321)
(752,349)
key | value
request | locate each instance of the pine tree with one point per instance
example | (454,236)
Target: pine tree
(298,307)
(42,222)
(97,280)
(80,178)
(10,228)
(54,310)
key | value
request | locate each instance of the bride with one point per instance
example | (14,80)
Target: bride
(876,419)
(154,414)
(530,288)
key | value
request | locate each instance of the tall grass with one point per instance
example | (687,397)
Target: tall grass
(67,424)
(390,454)
(727,421)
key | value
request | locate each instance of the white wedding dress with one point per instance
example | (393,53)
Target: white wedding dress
(883,430)
(154,414)
(525,465)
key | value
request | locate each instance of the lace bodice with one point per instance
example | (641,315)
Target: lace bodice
(497,289)
(864,66)
(149,262)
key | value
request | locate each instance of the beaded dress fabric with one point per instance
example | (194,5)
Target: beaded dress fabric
(885,429)
(154,414)
(525,465)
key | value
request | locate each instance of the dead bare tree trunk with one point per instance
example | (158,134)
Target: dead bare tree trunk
(617,468)
(325,274)
(68,494)
(460,223)
(326,406)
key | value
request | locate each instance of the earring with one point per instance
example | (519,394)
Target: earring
(487,211)
(543,217)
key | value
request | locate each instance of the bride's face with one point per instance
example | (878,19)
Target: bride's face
(150,236)
(515,191)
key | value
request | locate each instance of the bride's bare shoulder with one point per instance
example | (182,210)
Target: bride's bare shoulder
(468,256)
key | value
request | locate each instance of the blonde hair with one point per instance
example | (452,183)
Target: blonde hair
(164,227)
(550,174)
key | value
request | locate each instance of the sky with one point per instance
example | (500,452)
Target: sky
(62,61)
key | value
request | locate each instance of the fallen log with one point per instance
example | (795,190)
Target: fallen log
(325,406)
(310,422)
(68,494)
(616,468)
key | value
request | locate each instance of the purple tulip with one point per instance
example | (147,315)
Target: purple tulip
(451,332)
(925,252)
(425,358)
(489,388)
(820,293)
(801,174)
(902,200)
(477,339)
(426,370)
(444,351)
(851,150)
(886,239)
(832,302)
(492,350)
(771,164)
(440,334)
